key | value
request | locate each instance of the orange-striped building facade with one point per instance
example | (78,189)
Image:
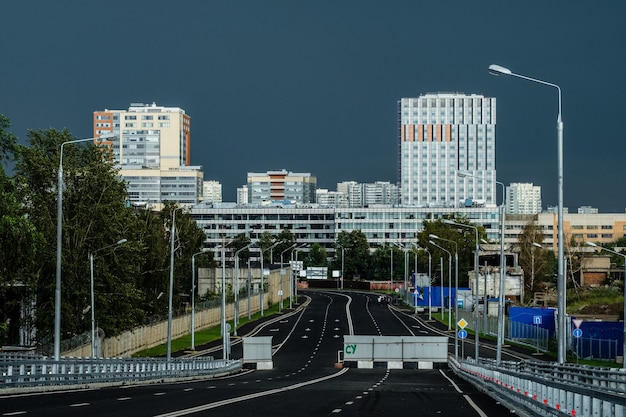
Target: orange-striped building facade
(440,135)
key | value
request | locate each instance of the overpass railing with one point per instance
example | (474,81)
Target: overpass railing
(544,388)
(41,371)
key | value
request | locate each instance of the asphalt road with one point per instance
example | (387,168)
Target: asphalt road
(305,380)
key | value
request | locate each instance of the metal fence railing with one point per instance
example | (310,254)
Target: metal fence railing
(30,371)
(590,348)
(545,388)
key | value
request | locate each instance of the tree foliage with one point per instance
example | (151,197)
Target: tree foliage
(20,241)
(464,239)
(317,256)
(534,260)
(357,255)
(128,278)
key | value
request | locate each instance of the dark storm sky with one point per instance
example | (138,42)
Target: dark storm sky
(311,86)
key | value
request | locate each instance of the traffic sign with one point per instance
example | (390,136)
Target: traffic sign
(577,333)
(577,322)
(462,334)
(536,319)
(462,323)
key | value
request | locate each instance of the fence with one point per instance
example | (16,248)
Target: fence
(590,348)
(27,371)
(542,388)
(147,336)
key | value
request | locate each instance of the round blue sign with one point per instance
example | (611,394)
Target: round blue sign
(462,334)
(577,333)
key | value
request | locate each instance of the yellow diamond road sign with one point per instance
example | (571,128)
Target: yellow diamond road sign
(462,323)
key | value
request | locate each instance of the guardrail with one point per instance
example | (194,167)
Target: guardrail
(29,372)
(543,388)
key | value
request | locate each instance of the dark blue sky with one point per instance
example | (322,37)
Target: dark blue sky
(312,86)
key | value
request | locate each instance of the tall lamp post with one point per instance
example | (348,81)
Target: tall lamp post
(561,287)
(456,290)
(449,283)
(476,321)
(502,284)
(93,304)
(430,281)
(282,272)
(295,278)
(193,296)
(236,318)
(343,253)
(171,289)
(263,272)
(624,330)
(57,291)
(225,331)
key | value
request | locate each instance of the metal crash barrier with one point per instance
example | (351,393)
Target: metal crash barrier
(542,388)
(41,371)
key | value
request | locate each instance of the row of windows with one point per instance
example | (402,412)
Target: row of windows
(593,227)
(148,124)
(592,235)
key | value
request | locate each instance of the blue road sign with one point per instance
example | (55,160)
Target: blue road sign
(536,319)
(462,334)
(577,333)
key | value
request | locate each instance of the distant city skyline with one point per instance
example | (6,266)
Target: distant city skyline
(313,87)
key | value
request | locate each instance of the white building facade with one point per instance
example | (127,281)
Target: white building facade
(523,198)
(212,191)
(439,136)
(152,148)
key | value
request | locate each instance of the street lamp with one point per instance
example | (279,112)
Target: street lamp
(430,281)
(93,304)
(236,318)
(294,291)
(262,272)
(449,283)
(57,291)
(193,296)
(391,245)
(476,335)
(282,272)
(502,290)
(225,331)
(171,290)
(624,320)
(456,291)
(561,287)
(343,253)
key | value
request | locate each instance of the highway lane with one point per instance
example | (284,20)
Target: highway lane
(304,380)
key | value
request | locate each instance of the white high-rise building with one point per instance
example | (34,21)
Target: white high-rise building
(369,194)
(523,198)
(323,197)
(152,149)
(212,191)
(242,195)
(439,136)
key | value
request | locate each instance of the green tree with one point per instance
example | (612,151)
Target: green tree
(286,239)
(381,262)
(357,254)
(189,239)
(95,215)
(533,259)
(464,237)
(20,245)
(317,256)
(239,242)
